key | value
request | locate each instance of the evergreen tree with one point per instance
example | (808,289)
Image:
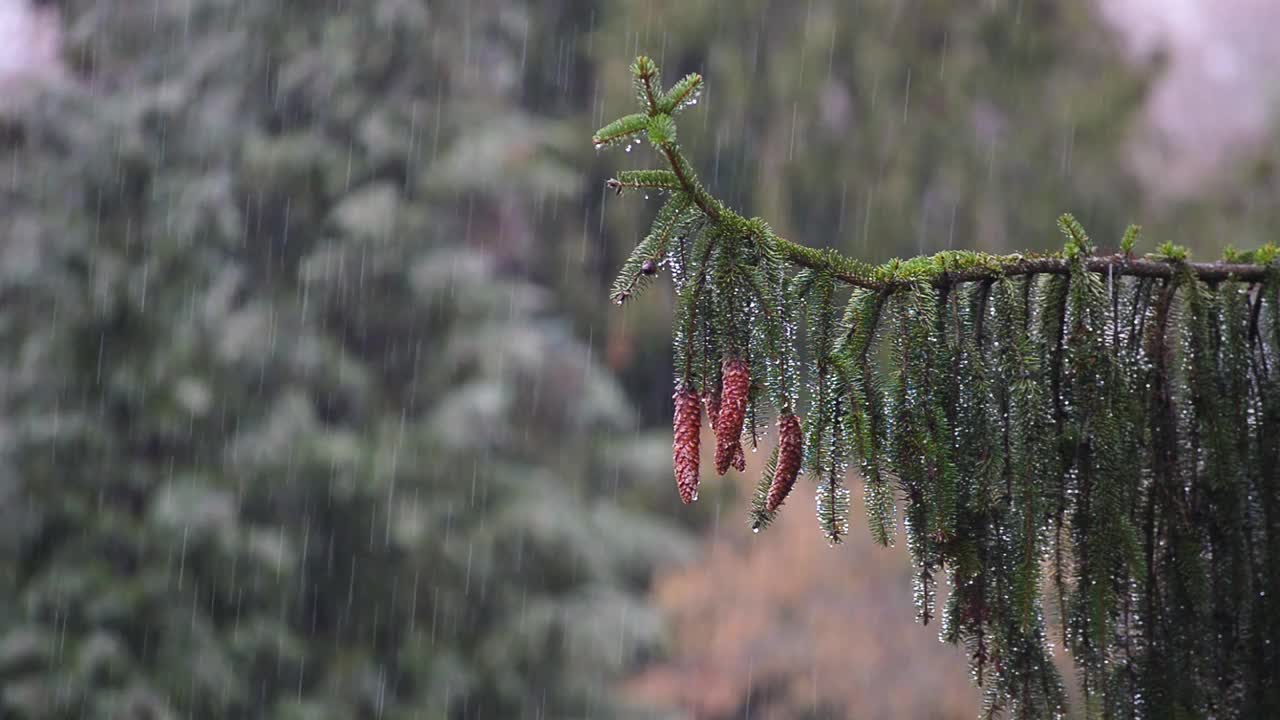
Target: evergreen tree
(1087,434)
(287,432)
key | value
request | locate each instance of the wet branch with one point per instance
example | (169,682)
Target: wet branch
(890,277)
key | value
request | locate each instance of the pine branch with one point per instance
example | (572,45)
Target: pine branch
(1108,423)
(949,268)
(944,269)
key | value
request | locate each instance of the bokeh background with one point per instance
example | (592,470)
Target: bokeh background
(311,401)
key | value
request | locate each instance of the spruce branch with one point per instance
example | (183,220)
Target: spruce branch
(1108,424)
(621,130)
(943,269)
(648,83)
(681,95)
(642,264)
(663,180)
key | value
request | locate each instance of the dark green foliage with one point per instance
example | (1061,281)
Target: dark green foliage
(867,425)
(681,95)
(287,432)
(675,217)
(920,438)
(760,514)
(1072,435)
(647,179)
(621,131)
(826,445)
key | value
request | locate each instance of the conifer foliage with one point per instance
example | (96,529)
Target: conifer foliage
(1086,446)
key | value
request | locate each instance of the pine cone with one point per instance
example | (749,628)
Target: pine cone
(739,458)
(712,398)
(790,445)
(687,430)
(735,384)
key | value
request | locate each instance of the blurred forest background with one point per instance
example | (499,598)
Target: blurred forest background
(312,404)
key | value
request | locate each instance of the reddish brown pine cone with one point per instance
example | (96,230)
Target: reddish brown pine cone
(739,458)
(712,398)
(790,444)
(735,383)
(686,430)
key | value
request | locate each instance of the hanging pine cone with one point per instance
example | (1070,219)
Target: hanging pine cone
(790,444)
(686,431)
(735,383)
(712,398)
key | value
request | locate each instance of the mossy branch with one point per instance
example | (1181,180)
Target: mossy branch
(952,267)
(940,270)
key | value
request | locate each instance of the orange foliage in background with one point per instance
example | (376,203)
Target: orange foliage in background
(779,625)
